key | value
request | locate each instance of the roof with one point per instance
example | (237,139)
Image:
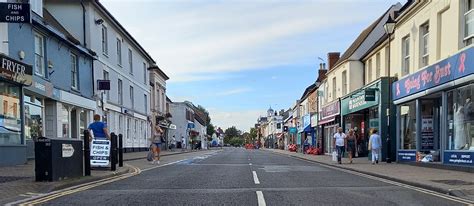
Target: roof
(168,99)
(156,68)
(359,40)
(308,90)
(116,22)
(49,19)
(377,44)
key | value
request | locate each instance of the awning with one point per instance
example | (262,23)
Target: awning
(327,120)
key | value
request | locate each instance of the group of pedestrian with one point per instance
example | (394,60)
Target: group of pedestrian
(349,142)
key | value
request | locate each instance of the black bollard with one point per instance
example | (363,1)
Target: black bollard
(87,154)
(113,151)
(120,147)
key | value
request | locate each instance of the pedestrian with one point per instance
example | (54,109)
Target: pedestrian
(375,144)
(183,143)
(339,142)
(98,129)
(351,142)
(156,141)
(305,145)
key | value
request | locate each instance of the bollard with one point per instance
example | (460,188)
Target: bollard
(113,151)
(87,154)
(120,147)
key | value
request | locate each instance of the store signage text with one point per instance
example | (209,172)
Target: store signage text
(452,68)
(14,13)
(330,110)
(15,71)
(459,158)
(357,102)
(100,152)
(406,156)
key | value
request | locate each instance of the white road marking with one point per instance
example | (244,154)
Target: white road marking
(255,178)
(261,199)
(250,163)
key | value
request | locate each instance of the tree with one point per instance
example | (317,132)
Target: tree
(206,113)
(231,132)
(253,134)
(210,129)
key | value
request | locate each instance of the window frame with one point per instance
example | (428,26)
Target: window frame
(104,40)
(406,55)
(344,82)
(74,71)
(106,76)
(132,99)
(130,61)
(424,35)
(42,72)
(119,52)
(377,65)
(144,73)
(120,91)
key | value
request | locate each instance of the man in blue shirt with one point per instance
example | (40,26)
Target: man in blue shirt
(99,129)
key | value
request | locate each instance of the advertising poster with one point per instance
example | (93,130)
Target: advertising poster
(427,137)
(100,153)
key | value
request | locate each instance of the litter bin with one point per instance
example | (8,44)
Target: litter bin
(58,159)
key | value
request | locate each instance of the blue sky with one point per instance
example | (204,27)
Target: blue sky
(238,57)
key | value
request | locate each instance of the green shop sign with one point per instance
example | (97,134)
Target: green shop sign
(359,100)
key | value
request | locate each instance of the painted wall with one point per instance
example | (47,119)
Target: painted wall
(178,111)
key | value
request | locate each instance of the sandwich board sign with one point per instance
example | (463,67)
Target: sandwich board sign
(100,153)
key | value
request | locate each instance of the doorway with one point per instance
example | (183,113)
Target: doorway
(430,126)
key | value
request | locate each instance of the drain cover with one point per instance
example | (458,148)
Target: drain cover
(4,179)
(453,182)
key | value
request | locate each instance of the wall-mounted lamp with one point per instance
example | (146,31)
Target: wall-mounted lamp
(99,21)
(21,54)
(50,65)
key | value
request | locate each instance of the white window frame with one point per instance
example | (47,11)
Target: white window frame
(144,73)
(146,103)
(369,72)
(469,11)
(106,77)
(105,45)
(406,55)
(334,90)
(74,71)
(377,65)
(40,69)
(424,44)
(344,82)
(119,51)
(130,61)
(132,99)
(120,91)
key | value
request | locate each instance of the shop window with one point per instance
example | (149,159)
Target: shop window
(65,122)
(10,118)
(82,123)
(33,118)
(408,125)
(461,119)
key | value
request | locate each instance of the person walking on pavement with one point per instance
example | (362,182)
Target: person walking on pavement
(339,142)
(183,143)
(98,129)
(375,144)
(156,141)
(351,142)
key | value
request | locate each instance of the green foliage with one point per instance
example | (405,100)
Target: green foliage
(210,129)
(236,141)
(253,134)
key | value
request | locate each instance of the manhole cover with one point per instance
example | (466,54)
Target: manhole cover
(4,179)
(454,182)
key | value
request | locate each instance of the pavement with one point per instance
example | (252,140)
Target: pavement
(456,183)
(236,176)
(17,182)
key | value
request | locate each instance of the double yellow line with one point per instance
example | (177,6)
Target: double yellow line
(79,188)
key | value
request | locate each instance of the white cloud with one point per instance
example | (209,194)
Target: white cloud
(242,120)
(233,91)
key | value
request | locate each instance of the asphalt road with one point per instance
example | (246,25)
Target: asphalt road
(237,176)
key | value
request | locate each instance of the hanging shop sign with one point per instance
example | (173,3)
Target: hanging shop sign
(329,112)
(459,158)
(293,130)
(306,120)
(454,67)
(15,13)
(314,120)
(369,94)
(16,71)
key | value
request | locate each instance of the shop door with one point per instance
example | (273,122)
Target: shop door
(430,127)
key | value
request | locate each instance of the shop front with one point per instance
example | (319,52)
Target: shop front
(314,126)
(14,75)
(329,121)
(362,111)
(306,132)
(435,114)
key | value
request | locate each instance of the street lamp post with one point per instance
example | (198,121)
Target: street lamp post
(389,27)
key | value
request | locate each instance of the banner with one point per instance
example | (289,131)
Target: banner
(100,153)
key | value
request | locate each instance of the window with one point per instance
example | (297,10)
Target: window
(74,72)
(460,117)
(128,128)
(130,60)
(377,66)
(408,126)
(158,101)
(132,100)
(334,88)
(121,126)
(119,52)
(387,53)
(120,92)
(144,72)
(424,38)
(105,49)
(146,103)
(405,55)
(135,126)
(469,21)
(33,117)
(39,55)
(65,121)
(106,77)
(369,71)
(344,82)
(10,118)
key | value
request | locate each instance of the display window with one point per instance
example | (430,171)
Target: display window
(33,117)
(10,118)
(460,122)
(408,125)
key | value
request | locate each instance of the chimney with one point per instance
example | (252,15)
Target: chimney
(333,57)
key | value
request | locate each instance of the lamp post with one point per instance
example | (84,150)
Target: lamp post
(389,27)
